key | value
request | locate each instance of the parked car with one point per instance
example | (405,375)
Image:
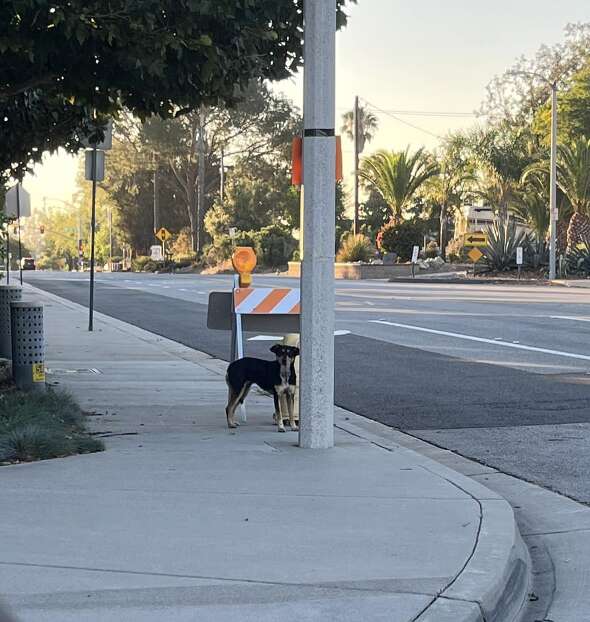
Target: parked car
(28,263)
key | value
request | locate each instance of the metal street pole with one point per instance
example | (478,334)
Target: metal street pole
(553,190)
(20,248)
(356,123)
(201,183)
(317,275)
(156,223)
(110,239)
(222,178)
(7,255)
(92,234)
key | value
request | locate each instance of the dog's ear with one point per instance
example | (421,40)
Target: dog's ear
(295,352)
(276,348)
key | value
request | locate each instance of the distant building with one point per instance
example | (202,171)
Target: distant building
(471,218)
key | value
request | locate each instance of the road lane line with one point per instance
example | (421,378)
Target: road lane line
(503,344)
(569,317)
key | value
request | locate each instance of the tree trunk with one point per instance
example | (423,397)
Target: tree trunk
(443,231)
(578,231)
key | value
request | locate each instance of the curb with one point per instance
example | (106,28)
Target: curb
(494,583)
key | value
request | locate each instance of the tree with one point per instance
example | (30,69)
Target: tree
(502,153)
(573,109)
(368,124)
(448,190)
(152,57)
(397,176)
(257,194)
(516,96)
(531,206)
(374,212)
(573,179)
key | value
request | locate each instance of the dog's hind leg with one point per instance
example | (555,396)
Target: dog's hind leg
(245,391)
(233,400)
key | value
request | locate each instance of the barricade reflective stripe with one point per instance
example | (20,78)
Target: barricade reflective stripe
(266,301)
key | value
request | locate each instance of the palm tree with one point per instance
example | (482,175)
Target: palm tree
(573,179)
(531,206)
(397,175)
(368,124)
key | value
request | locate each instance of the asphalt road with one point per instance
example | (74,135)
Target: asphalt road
(500,374)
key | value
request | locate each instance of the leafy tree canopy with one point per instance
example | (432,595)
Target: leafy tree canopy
(60,61)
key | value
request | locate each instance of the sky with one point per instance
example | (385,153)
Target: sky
(428,56)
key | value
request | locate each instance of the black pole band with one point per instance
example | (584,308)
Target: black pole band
(315,132)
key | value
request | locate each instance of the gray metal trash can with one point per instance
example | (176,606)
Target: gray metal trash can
(8,294)
(28,345)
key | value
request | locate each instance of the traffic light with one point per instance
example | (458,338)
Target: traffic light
(42,229)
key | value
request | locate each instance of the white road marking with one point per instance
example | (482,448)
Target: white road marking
(265,338)
(502,344)
(567,317)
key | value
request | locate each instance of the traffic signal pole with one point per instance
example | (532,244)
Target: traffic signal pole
(317,274)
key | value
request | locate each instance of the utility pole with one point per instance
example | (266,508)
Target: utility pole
(201,184)
(92,236)
(553,189)
(356,128)
(110,239)
(20,248)
(156,219)
(317,274)
(222,178)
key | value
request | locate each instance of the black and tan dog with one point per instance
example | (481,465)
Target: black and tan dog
(275,377)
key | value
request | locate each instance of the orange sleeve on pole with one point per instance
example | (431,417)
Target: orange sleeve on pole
(297,162)
(339,173)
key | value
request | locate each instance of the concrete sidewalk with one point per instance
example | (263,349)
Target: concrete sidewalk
(181,519)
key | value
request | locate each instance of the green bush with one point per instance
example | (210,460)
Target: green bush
(355,248)
(51,263)
(400,238)
(139,262)
(41,425)
(274,246)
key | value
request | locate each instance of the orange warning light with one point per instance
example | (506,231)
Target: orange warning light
(244,261)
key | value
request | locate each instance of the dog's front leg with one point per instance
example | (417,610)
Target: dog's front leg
(290,397)
(277,413)
(282,411)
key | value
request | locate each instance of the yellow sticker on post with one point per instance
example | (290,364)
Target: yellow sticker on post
(38,372)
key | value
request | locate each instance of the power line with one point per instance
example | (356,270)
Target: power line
(403,121)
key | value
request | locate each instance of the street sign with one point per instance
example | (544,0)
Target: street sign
(477,238)
(475,255)
(519,256)
(415,252)
(89,155)
(163,234)
(156,252)
(10,205)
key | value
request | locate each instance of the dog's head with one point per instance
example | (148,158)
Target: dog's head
(285,354)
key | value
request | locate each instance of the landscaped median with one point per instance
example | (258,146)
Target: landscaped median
(39,425)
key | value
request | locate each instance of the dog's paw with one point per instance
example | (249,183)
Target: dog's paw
(294,427)
(282,429)
(232,426)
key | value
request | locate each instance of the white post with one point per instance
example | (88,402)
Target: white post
(317,270)
(553,191)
